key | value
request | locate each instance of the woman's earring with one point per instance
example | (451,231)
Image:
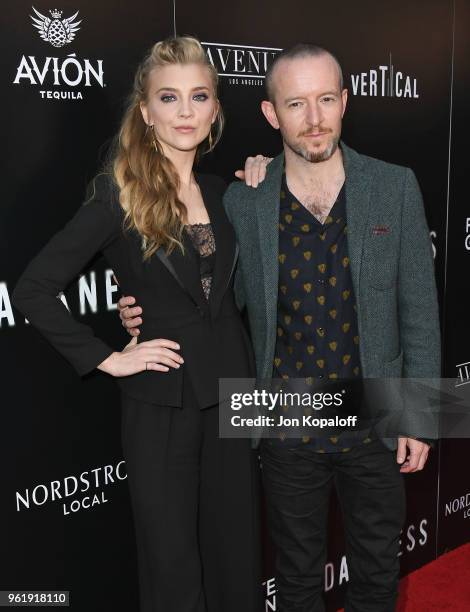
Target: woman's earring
(154,140)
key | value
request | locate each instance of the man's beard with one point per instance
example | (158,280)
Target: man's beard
(314,157)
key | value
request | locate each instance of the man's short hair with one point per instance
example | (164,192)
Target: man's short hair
(297,51)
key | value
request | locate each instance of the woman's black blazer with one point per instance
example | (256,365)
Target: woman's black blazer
(213,340)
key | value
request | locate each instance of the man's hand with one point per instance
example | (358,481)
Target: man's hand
(255,170)
(417,457)
(130,316)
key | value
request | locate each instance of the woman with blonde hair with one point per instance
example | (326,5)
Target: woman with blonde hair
(163,230)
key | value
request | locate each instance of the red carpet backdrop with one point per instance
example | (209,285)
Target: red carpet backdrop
(65,515)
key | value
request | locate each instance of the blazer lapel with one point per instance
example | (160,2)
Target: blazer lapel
(185,270)
(357,210)
(357,188)
(267,199)
(225,243)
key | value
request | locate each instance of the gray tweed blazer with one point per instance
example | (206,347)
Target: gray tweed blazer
(391,266)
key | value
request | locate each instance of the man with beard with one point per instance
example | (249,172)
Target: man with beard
(336,272)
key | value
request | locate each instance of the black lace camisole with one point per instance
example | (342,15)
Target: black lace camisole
(202,238)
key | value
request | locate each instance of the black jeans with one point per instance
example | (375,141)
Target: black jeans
(370,489)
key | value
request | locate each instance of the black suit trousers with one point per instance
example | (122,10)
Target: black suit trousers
(194,499)
(370,488)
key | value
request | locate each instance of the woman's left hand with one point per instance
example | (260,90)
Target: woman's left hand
(255,170)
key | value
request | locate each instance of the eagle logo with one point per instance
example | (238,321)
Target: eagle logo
(57,31)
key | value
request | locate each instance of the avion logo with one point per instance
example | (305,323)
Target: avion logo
(57,31)
(57,75)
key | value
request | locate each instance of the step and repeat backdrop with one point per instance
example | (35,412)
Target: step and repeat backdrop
(65,519)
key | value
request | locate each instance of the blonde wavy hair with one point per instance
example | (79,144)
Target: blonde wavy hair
(147,180)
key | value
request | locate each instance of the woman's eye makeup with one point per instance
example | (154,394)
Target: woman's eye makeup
(199,97)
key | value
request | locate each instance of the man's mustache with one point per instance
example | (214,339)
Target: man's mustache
(312,130)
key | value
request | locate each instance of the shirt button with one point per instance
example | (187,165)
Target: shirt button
(320,376)
(321,281)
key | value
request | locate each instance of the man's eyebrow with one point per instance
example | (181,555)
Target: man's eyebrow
(300,97)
